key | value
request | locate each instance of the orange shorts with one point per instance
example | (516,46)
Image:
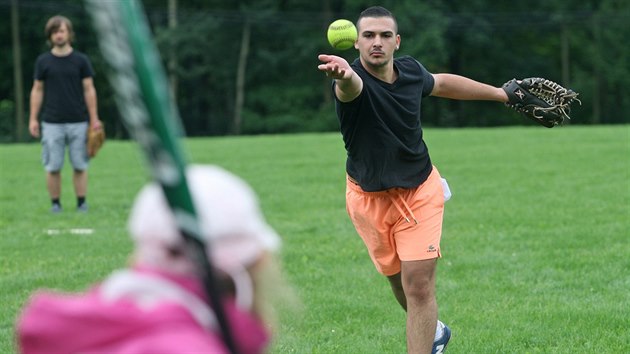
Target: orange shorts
(398,224)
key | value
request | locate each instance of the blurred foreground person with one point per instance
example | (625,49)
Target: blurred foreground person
(158,305)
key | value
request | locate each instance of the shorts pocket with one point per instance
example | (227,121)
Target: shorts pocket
(446,190)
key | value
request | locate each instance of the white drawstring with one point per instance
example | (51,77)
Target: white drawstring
(400,210)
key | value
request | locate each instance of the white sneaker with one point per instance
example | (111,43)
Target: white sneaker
(439,346)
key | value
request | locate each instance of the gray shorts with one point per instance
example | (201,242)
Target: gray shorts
(55,137)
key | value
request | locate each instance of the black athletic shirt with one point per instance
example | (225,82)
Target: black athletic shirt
(63,87)
(382,130)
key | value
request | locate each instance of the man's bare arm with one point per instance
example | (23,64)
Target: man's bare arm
(89,93)
(462,88)
(36,99)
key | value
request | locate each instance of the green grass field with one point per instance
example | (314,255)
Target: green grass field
(536,244)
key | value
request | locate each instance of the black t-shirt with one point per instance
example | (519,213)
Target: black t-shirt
(382,129)
(63,87)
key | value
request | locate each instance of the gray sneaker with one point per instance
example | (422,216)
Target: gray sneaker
(83,208)
(55,209)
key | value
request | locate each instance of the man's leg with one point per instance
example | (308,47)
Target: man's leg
(80,182)
(79,178)
(53,149)
(418,281)
(407,285)
(77,138)
(396,283)
(53,183)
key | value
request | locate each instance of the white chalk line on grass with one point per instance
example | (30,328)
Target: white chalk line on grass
(78,231)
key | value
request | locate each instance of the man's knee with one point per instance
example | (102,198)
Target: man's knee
(418,280)
(419,292)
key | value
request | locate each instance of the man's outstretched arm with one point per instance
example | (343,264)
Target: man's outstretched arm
(462,88)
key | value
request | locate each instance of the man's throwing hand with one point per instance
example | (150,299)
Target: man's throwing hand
(335,67)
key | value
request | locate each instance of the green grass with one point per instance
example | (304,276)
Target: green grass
(536,245)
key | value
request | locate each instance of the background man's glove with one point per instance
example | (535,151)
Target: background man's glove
(96,139)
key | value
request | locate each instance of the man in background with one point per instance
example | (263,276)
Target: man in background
(63,96)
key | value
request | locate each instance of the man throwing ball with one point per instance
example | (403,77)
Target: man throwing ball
(394,195)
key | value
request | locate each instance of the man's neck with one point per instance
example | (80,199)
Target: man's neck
(61,51)
(386,73)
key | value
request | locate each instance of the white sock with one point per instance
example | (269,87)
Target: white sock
(439,330)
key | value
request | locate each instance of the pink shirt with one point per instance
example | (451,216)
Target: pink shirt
(133,311)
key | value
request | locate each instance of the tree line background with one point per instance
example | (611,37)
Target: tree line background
(249,67)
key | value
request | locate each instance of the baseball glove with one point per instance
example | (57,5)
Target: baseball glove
(96,139)
(541,100)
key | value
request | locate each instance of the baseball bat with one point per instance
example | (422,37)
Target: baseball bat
(150,116)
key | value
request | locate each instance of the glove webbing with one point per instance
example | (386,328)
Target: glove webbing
(558,97)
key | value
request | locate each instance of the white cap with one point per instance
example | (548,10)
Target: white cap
(230,218)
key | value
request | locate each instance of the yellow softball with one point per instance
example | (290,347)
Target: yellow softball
(342,34)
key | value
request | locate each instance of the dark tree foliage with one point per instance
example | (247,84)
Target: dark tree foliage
(580,44)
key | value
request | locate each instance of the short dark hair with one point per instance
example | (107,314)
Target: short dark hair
(378,11)
(53,25)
